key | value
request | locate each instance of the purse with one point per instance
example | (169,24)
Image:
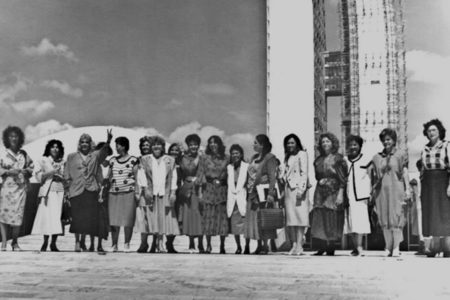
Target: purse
(66,214)
(270,218)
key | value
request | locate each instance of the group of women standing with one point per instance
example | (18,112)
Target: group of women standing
(215,193)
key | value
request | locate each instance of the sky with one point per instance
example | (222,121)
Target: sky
(168,67)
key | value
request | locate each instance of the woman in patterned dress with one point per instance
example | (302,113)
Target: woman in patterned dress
(191,217)
(16,168)
(391,182)
(214,173)
(121,205)
(50,173)
(328,209)
(435,190)
(262,169)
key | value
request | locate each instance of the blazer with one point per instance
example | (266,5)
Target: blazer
(237,193)
(295,172)
(358,183)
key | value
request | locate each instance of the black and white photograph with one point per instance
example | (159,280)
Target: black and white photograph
(224,149)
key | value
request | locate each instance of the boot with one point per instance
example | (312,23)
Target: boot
(169,244)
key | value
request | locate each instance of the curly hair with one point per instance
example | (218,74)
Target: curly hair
(334,143)
(89,138)
(390,133)
(16,130)
(221,146)
(439,126)
(354,138)
(145,139)
(236,147)
(160,141)
(297,142)
(193,138)
(180,154)
(50,144)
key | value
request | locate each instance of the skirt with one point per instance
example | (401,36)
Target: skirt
(122,209)
(237,222)
(215,219)
(146,221)
(296,215)
(251,228)
(327,224)
(166,217)
(435,203)
(48,216)
(191,218)
(85,211)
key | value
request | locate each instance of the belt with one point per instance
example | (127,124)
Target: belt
(215,181)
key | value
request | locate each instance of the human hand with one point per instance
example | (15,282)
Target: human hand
(172,199)
(109,135)
(339,199)
(270,199)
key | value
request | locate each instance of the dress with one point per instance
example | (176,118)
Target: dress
(215,219)
(358,193)
(391,194)
(434,183)
(190,216)
(295,175)
(121,203)
(48,216)
(14,189)
(328,217)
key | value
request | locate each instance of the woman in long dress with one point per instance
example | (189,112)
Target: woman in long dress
(214,171)
(121,203)
(16,167)
(391,183)
(190,172)
(262,169)
(328,210)
(81,176)
(237,195)
(296,198)
(435,190)
(357,222)
(49,172)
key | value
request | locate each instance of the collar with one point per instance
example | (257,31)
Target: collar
(358,157)
(384,154)
(438,145)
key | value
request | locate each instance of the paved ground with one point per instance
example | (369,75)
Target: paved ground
(70,275)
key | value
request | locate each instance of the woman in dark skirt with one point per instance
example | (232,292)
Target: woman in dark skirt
(80,173)
(328,210)
(435,190)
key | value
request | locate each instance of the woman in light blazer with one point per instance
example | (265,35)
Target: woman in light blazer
(295,176)
(237,195)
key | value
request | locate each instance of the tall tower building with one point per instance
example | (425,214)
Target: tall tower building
(374,96)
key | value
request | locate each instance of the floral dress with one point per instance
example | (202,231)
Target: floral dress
(14,190)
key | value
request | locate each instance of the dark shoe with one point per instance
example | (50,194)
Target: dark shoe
(429,253)
(446,254)
(100,249)
(77,247)
(15,247)
(91,248)
(152,249)
(319,253)
(273,246)
(170,248)
(222,250)
(142,248)
(257,251)
(201,250)
(83,247)
(238,250)
(247,250)
(208,249)
(44,247)
(53,248)
(264,250)
(330,252)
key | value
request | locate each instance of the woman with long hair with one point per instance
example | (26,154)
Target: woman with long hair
(49,172)
(16,168)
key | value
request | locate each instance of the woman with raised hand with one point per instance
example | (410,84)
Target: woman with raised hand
(391,189)
(190,172)
(214,174)
(16,167)
(81,175)
(328,209)
(237,195)
(121,203)
(262,169)
(49,172)
(294,172)
(160,191)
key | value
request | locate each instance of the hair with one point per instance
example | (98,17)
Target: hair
(124,142)
(439,126)
(236,147)
(180,155)
(16,130)
(334,143)
(100,146)
(193,138)
(354,138)
(297,141)
(221,148)
(264,141)
(159,140)
(143,140)
(390,133)
(50,144)
(419,165)
(89,138)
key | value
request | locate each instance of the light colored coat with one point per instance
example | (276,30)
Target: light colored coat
(295,174)
(237,193)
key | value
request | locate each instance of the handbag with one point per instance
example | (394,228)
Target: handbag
(66,214)
(270,218)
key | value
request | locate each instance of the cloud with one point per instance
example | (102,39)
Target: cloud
(11,86)
(63,87)
(427,67)
(34,107)
(174,103)
(147,131)
(180,133)
(219,89)
(46,47)
(44,128)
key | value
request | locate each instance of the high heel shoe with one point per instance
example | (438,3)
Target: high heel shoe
(208,249)
(264,250)
(292,251)
(319,253)
(298,251)
(91,248)
(53,248)
(330,252)
(201,250)
(83,247)
(257,251)
(247,250)
(44,247)
(238,250)
(15,247)
(142,248)
(152,249)
(100,249)
(222,250)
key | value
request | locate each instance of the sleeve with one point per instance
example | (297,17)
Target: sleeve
(303,162)
(341,171)
(141,179)
(173,185)
(2,165)
(201,179)
(272,174)
(39,171)
(317,167)
(67,177)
